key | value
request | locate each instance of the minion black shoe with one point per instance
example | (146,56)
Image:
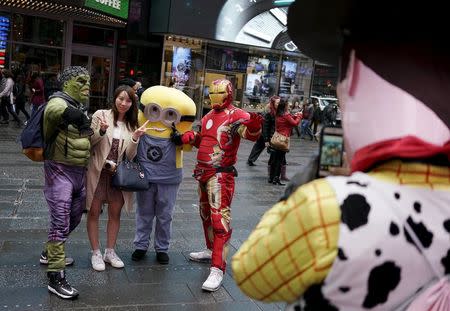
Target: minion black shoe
(138,254)
(162,258)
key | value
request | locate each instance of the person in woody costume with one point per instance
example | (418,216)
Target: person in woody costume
(218,142)
(66,130)
(379,238)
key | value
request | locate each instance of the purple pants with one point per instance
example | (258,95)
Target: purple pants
(65,193)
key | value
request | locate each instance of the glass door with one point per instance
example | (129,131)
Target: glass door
(99,67)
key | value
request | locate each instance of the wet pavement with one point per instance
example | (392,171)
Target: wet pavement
(143,285)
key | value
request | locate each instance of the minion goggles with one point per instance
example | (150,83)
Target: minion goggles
(168,116)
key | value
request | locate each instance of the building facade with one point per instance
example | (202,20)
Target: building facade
(46,36)
(186,44)
(245,42)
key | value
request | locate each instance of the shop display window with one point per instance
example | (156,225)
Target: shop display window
(44,60)
(37,30)
(256,74)
(183,67)
(225,62)
(226,59)
(262,80)
(26,60)
(295,78)
(93,36)
(325,78)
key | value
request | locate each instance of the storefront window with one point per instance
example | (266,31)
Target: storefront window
(20,53)
(26,60)
(226,59)
(225,62)
(183,66)
(93,36)
(256,74)
(37,30)
(141,63)
(262,79)
(295,80)
(325,78)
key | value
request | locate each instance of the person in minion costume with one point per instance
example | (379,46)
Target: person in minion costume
(165,110)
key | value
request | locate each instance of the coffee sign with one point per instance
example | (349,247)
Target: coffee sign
(117,8)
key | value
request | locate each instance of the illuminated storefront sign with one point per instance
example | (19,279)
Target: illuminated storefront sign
(117,8)
(4,32)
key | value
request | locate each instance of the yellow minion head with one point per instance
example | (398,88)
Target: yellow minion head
(164,106)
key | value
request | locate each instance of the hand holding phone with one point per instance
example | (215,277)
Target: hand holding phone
(343,170)
(331,151)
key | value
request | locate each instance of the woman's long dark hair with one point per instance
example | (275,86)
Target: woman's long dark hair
(131,116)
(272,101)
(281,109)
(7,74)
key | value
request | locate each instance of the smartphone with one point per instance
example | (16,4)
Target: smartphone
(331,150)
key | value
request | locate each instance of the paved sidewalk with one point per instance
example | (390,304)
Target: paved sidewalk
(142,285)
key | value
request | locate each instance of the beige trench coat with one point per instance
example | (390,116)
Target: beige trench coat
(100,147)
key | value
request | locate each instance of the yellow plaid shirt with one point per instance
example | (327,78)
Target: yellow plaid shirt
(295,243)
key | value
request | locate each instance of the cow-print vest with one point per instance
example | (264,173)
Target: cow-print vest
(378,266)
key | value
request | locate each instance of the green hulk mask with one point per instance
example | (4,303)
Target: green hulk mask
(75,81)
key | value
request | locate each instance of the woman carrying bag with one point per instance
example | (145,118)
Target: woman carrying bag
(115,135)
(284,123)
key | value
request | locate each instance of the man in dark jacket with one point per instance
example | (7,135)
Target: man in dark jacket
(329,115)
(308,112)
(267,131)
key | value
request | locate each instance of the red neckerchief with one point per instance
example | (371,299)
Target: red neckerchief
(408,147)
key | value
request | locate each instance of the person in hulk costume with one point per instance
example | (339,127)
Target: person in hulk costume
(66,131)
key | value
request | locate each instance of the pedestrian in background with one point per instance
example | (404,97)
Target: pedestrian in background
(316,118)
(37,91)
(330,114)
(20,96)
(7,98)
(260,144)
(308,110)
(284,123)
(295,110)
(116,135)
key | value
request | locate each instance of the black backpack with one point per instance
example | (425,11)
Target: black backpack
(32,137)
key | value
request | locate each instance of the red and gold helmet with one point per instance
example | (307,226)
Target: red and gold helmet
(220,94)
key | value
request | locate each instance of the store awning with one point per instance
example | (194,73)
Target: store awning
(62,8)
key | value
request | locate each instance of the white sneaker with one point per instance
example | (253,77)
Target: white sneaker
(214,280)
(201,256)
(97,261)
(112,258)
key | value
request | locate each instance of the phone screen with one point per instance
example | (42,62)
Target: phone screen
(331,150)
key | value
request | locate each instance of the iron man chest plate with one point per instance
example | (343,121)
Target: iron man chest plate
(219,138)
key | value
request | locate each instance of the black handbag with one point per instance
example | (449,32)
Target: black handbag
(129,176)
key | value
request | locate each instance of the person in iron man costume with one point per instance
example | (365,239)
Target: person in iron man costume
(218,142)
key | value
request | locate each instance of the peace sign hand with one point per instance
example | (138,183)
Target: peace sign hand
(103,123)
(141,131)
